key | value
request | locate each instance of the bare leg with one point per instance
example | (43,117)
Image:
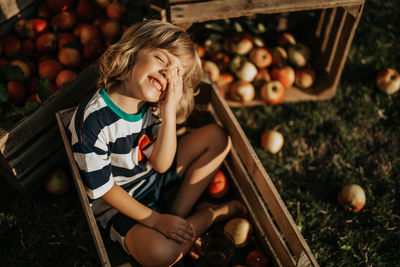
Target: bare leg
(200,154)
(151,248)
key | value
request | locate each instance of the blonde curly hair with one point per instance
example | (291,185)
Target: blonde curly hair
(117,61)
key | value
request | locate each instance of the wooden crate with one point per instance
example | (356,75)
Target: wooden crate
(329,36)
(275,229)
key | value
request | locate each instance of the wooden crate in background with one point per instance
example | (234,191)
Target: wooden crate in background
(329,36)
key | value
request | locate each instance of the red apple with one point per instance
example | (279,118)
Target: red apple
(11,44)
(224,82)
(20,28)
(64,77)
(35,27)
(285,39)
(49,69)
(28,47)
(261,57)
(388,81)
(218,186)
(272,141)
(352,197)
(65,20)
(66,38)
(241,43)
(272,92)
(279,55)
(88,32)
(243,69)
(110,28)
(257,258)
(46,42)
(23,66)
(115,10)
(85,10)
(17,92)
(212,68)
(304,77)
(299,55)
(69,57)
(58,182)
(285,75)
(242,91)
(262,77)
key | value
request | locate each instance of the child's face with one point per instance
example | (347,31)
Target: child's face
(150,74)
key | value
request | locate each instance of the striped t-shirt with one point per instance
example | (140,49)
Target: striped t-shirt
(111,146)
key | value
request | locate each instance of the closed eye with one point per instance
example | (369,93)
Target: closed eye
(160,59)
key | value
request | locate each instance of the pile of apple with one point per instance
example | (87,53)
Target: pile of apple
(244,67)
(45,52)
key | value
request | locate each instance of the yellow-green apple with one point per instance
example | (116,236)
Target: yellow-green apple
(23,66)
(242,91)
(261,77)
(46,42)
(64,20)
(218,186)
(243,69)
(64,77)
(299,55)
(69,57)
(17,92)
(272,92)
(58,182)
(388,81)
(261,57)
(35,27)
(258,42)
(279,55)
(285,39)
(240,229)
(49,69)
(11,44)
(212,68)
(285,75)
(224,82)
(272,141)
(115,10)
(304,77)
(352,197)
(241,43)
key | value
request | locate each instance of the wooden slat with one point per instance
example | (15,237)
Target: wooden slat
(205,11)
(81,189)
(261,179)
(331,50)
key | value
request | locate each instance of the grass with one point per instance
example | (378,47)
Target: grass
(352,138)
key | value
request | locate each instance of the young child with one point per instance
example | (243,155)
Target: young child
(127,155)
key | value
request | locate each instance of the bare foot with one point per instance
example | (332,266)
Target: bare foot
(224,211)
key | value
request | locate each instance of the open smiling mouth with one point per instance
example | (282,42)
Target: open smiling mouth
(156,83)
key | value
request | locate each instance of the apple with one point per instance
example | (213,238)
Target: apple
(243,69)
(66,38)
(115,10)
(28,47)
(261,57)
(92,49)
(261,77)
(258,41)
(69,57)
(388,81)
(285,75)
(201,52)
(218,186)
(272,92)
(299,55)
(20,28)
(35,27)
(212,47)
(212,68)
(46,42)
(110,28)
(11,44)
(23,66)
(88,32)
(58,182)
(17,92)
(241,43)
(279,55)
(242,91)
(64,77)
(221,59)
(239,229)
(50,69)
(65,20)
(352,197)
(304,77)
(224,81)
(257,258)
(285,39)
(272,141)
(85,10)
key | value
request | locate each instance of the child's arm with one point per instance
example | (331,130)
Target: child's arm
(171,226)
(164,149)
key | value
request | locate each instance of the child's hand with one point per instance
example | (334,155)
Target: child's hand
(176,228)
(173,93)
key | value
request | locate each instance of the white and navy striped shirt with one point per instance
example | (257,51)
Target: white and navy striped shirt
(111,146)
